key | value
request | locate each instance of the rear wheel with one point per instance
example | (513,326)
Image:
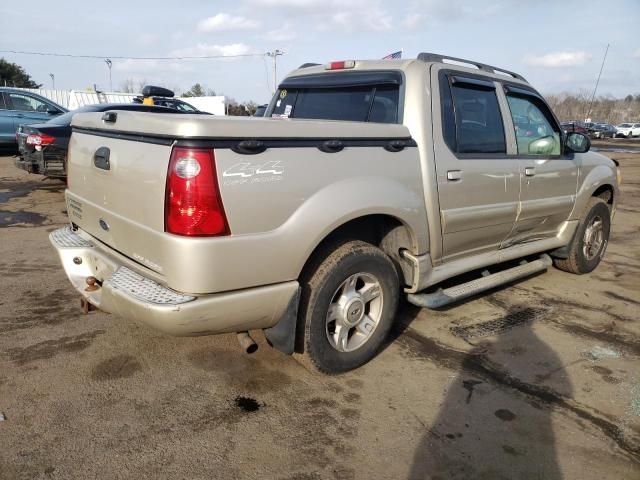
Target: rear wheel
(347,307)
(590,241)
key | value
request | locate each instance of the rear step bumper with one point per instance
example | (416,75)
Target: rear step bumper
(131,295)
(459,292)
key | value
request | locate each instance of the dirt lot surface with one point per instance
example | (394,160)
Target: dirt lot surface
(538,380)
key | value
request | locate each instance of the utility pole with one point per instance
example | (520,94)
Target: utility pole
(53,81)
(275,54)
(597,82)
(109,63)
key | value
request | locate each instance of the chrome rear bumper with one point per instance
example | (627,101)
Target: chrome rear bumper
(131,295)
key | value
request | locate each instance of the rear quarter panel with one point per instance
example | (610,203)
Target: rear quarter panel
(278,217)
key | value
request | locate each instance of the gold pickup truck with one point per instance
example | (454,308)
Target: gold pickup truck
(365,181)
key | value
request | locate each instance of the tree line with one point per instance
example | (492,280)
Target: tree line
(604,108)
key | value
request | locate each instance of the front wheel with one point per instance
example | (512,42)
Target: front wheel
(348,304)
(590,241)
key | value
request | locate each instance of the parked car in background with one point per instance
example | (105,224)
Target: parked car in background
(19,107)
(602,130)
(164,97)
(43,146)
(260,109)
(577,127)
(628,130)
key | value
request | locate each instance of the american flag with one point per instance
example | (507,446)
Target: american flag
(393,56)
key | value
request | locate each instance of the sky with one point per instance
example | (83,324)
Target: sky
(558,46)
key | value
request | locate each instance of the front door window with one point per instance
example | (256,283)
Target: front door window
(26,103)
(535,132)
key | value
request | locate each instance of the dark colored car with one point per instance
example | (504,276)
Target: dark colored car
(260,110)
(165,98)
(602,130)
(21,107)
(172,103)
(43,146)
(577,127)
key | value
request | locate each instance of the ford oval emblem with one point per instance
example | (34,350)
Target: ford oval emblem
(104,225)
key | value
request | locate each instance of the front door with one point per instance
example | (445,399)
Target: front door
(25,109)
(548,180)
(7,130)
(478,183)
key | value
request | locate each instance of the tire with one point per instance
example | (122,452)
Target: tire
(348,303)
(587,249)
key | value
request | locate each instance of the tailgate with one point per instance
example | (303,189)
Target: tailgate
(120,202)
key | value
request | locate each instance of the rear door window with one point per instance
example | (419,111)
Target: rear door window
(371,103)
(472,122)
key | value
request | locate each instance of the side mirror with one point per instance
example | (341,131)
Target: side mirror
(578,142)
(543,146)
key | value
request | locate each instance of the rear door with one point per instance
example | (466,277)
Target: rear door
(548,180)
(478,183)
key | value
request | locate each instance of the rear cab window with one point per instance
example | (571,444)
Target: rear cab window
(361,96)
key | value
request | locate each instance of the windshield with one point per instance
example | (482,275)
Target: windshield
(176,104)
(66,118)
(185,107)
(370,103)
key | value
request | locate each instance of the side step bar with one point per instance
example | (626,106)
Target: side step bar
(454,294)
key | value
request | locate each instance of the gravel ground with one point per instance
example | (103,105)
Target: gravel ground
(537,380)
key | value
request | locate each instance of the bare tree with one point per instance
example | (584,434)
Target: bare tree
(605,108)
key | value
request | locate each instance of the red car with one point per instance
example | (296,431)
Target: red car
(574,127)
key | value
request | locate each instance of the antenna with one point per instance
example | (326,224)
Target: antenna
(597,82)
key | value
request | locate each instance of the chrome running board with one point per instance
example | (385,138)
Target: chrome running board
(456,293)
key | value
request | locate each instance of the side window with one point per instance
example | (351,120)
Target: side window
(2,105)
(476,118)
(385,105)
(536,133)
(25,103)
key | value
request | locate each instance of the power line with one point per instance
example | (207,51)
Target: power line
(118,57)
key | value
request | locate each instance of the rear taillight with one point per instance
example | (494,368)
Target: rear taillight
(193,206)
(40,139)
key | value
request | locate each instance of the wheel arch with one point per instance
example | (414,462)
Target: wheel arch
(600,180)
(385,231)
(606,192)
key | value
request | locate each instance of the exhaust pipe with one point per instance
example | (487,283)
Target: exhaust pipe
(247,343)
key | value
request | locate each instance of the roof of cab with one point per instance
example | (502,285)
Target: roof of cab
(425,57)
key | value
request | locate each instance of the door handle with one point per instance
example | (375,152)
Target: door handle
(454,175)
(101,158)
(529,171)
